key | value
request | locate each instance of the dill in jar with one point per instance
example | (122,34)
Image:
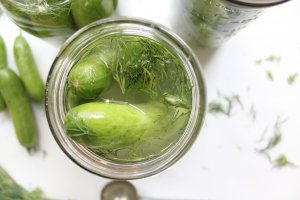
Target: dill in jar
(139,98)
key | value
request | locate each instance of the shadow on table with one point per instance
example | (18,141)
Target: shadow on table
(205,55)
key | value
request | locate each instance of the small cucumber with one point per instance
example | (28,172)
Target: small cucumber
(3,63)
(89,77)
(27,69)
(88,11)
(115,126)
(19,107)
(2,103)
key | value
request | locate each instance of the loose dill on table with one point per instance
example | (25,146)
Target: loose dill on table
(277,135)
(225,104)
(292,78)
(10,190)
(273,58)
(269,75)
(282,161)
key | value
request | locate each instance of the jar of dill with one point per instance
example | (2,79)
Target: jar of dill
(125,98)
(56,18)
(209,23)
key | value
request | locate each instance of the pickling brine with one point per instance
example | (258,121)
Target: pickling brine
(125,98)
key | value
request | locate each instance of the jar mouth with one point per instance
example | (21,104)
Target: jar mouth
(57,79)
(258,3)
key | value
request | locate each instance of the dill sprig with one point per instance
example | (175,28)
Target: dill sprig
(282,161)
(292,78)
(143,64)
(269,75)
(273,58)
(277,135)
(10,190)
(225,104)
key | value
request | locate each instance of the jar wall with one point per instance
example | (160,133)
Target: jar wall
(209,23)
(56,108)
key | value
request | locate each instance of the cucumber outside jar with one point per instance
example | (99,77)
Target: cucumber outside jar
(56,18)
(209,23)
(125,98)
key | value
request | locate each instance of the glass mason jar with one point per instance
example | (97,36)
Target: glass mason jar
(209,23)
(50,18)
(56,107)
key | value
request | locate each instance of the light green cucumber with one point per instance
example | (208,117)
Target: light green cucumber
(19,107)
(88,11)
(115,126)
(89,77)
(3,60)
(3,63)
(27,69)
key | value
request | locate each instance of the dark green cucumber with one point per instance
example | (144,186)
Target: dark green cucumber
(2,103)
(88,11)
(3,63)
(19,107)
(27,69)
(89,77)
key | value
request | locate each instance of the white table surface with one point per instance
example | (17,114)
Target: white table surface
(223,163)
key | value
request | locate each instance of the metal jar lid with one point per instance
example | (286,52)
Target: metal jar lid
(258,3)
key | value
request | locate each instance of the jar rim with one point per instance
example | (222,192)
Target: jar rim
(151,166)
(258,3)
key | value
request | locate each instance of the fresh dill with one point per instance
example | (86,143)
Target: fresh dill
(277,135)
(225,105)
(143,64)
(252,113)
(273,142)
(292,78)
(282,161)
(273,58)
(9,189)
(259,61)
(269,75)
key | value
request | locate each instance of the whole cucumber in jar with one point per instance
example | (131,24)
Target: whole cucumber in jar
(88,11)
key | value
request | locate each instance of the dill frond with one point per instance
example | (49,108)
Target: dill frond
(143,64)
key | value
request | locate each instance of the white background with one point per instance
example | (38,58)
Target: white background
(223,163)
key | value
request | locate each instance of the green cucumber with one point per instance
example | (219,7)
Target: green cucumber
(3,63)
(27,69)
(115,126)
(2,103)
(89,77)
(19,107)
(88,11)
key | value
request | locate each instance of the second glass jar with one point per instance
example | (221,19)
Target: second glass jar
(56,18)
